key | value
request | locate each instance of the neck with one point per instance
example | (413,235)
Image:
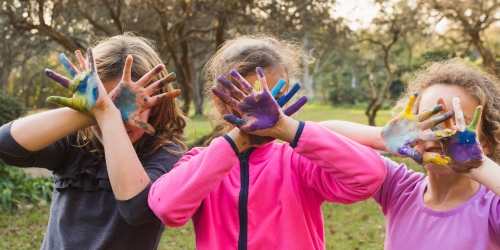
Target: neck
(447,191)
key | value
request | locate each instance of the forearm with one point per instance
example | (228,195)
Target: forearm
(362,134)
(126,173)
(343,170)
(176,196)
(488,175)
(37,131)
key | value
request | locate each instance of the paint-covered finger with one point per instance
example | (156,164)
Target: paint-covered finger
(275,91)
(145,79)
(72,70)
(436,158)
(285,98)
(159,84)
(58,78)
(477,118)
(229,86)
(409,105)
(412,153)
(435,135)
(225,98)
(81,61)
(429,123)
(234,120)
(63,101)
(262,79)
(127,69)
(296,106)
(426,114)
(166,96)
(448,123)
(244,84)
(90,55)
(143,125)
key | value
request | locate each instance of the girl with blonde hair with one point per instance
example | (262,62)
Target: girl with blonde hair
(247,191)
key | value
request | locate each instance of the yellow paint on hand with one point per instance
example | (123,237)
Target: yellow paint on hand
(438,159)
(256,86)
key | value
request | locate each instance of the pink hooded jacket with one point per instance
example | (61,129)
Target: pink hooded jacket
(268,197)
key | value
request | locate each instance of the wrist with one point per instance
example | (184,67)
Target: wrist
(285,129)
(473,173)
(109,112)
(379,142)
(241,142)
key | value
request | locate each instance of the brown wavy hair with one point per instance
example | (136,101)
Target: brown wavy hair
(244,54)
(482,86)
(166,118)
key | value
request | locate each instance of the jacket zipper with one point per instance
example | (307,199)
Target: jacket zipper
(243,199)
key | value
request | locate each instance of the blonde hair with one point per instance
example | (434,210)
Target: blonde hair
(244,54)
(482,86)
(166,118)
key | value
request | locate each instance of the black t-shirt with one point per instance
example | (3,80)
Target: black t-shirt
(84,213)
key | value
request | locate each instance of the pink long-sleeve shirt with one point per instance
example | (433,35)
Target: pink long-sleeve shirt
(286,188)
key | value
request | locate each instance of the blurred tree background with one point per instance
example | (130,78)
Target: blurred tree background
(365,51)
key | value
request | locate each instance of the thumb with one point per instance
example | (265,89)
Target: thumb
(436,158)
(142,125)
(62,101)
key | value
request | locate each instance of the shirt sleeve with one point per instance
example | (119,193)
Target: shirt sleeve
(335,168)
(51,157)
(399,178)
(136,210)
(176,196)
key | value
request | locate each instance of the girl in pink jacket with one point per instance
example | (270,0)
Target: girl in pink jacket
(247,191)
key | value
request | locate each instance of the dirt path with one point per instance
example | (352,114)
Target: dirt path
(38,172)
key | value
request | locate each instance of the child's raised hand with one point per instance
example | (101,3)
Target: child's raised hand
(85,84)
(461,151)
(259,110)
(132,98)
(406,130)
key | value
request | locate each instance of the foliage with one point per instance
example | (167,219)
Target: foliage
(24,229)
(18,188)
(9,108)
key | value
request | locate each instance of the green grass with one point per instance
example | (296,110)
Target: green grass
(356,226)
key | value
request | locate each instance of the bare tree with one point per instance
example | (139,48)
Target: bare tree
(390,33)
(470,19)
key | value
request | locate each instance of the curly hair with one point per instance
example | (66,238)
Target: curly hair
(166,118)
(482,86)
(244,54)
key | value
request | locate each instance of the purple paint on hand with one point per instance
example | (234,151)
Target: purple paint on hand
(258,110)
(463,146)
(259,71)
(296,106)
(58,78)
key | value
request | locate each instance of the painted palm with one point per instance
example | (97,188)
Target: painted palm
(259,110)
(132,98)
(84,84)
(461,151)
(403,132)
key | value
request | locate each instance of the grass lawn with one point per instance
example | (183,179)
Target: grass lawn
(356,226)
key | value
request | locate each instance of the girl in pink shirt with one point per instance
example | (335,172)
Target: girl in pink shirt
(245,190)
(457,205)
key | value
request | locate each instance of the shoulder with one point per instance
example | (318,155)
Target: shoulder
(170,152)
(400,177)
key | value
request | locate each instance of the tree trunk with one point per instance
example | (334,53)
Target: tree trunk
(198,94)
(489,60)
